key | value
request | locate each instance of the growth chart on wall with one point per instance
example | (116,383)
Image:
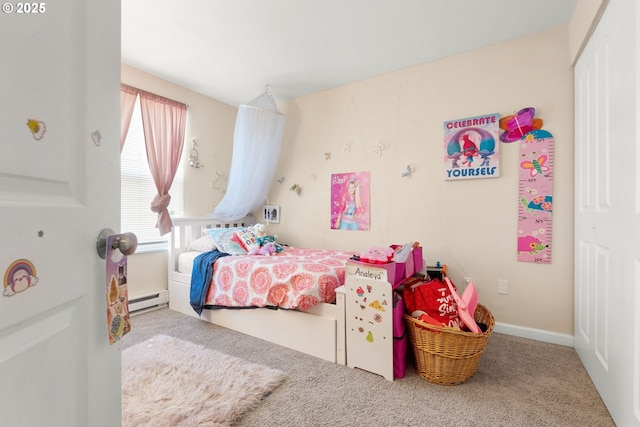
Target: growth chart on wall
(535,207)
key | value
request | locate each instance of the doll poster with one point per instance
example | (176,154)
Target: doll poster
(350,201)
(471,149)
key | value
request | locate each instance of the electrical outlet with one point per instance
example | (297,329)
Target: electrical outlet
(503,286)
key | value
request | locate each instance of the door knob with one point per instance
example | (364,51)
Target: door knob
(125,243)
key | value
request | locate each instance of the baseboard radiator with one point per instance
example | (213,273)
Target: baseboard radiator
(149,302)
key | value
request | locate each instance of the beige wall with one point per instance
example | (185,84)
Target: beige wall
(209,121)
(469,225)
(583,21)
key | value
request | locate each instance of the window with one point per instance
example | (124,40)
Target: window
(137,189)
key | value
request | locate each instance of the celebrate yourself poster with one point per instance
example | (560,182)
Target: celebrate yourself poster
(471,149)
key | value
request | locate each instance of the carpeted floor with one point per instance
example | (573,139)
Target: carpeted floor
(519,382)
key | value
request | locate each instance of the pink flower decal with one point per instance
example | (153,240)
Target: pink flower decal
(260,280)
(538,200)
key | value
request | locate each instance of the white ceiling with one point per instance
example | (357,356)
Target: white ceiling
(230,49)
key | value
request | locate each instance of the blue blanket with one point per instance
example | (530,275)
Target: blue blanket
(201,278)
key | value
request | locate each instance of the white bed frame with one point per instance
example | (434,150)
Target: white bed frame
(319,332)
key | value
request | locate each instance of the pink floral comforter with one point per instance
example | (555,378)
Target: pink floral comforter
(296,278)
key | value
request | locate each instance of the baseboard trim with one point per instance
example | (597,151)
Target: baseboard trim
(152,301)
(534,334)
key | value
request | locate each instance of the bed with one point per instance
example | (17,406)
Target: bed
(309,318)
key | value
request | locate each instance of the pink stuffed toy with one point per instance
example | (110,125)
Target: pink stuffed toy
(376,255)
(267,249)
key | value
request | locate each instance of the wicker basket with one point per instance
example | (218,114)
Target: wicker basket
(446,356)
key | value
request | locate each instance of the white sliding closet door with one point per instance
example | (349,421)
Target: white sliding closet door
(607,202)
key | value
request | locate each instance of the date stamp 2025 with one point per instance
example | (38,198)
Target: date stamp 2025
(24,8)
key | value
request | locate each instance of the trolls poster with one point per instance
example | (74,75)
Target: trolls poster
(471,149)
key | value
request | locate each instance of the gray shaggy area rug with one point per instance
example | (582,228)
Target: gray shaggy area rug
(171,382)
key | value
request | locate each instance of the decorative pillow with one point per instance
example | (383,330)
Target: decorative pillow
(245,238)
(226,241)
(202,244)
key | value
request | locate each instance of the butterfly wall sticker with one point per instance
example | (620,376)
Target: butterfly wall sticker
(407,172)
(536,166)
(378,150)
(519,124)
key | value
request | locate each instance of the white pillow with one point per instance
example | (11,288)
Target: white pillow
(202,244)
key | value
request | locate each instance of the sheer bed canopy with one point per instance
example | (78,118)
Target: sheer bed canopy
(256,147)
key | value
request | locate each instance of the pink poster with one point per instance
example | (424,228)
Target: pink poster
(350,201)
(471,149)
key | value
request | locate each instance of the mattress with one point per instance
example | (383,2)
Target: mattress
(185,261)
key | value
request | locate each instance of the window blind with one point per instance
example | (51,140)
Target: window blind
(137,188)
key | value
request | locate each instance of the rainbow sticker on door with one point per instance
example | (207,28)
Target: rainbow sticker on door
(535,207)
(19,276)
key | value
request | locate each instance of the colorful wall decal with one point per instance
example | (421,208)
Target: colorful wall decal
(535,207)
(470,148)
(19,276)
(519,124)
(37,128)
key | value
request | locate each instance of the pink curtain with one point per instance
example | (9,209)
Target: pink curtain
(163,121)
(127,101)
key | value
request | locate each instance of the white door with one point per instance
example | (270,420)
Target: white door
(607,255)
(59,186)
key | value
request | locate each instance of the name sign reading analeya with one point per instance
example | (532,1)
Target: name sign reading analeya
(366,272)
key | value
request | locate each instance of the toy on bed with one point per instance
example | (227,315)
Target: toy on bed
(261,243)
(266,249)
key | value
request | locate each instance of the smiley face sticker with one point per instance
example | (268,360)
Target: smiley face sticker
(19,276)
